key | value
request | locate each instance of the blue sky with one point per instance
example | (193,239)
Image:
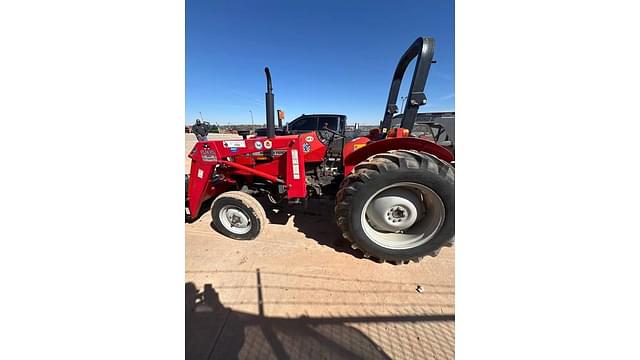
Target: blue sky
(325,56)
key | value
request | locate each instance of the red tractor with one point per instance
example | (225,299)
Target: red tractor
(394,193)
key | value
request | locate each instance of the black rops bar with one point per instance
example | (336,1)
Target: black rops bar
(423,49)
(271,125)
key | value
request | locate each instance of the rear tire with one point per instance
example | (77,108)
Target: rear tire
(238,215)
(398,206)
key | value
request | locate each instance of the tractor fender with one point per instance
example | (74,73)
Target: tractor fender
(404,143)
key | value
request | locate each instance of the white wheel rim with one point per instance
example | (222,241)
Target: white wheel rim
(402,216)
(235,219)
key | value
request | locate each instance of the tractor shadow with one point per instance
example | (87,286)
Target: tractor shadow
(214,331)
(315,220)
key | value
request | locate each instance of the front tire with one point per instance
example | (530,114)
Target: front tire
(238,215)
(398,206)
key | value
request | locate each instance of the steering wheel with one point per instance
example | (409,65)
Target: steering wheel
(324,136)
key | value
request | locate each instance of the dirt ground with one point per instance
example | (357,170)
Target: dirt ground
(300,292)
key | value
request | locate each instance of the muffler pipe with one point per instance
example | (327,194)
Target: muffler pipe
(271,125)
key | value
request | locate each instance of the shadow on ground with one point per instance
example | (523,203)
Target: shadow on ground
(214,331)
(315,220)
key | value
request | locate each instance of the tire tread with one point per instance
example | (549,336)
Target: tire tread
(375,166)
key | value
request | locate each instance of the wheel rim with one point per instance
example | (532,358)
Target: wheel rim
(402,216)
(235,219)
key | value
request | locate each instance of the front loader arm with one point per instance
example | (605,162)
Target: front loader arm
(200,185)
(214,162)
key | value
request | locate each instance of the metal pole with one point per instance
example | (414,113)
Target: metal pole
(260,301)
(402,106)
(251,112)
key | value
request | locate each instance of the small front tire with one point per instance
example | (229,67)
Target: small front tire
(238,215)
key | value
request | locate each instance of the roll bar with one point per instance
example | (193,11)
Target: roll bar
(422,48)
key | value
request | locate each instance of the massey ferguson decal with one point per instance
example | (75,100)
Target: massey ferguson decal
(208,155)
(267,144)
(309,139)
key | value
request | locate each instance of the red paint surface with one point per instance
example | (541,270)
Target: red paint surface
(406,143)
(242,161)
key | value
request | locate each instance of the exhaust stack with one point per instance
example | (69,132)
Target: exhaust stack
(271,125)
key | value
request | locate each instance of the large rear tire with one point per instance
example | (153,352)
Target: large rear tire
(238,215)
(398,206)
